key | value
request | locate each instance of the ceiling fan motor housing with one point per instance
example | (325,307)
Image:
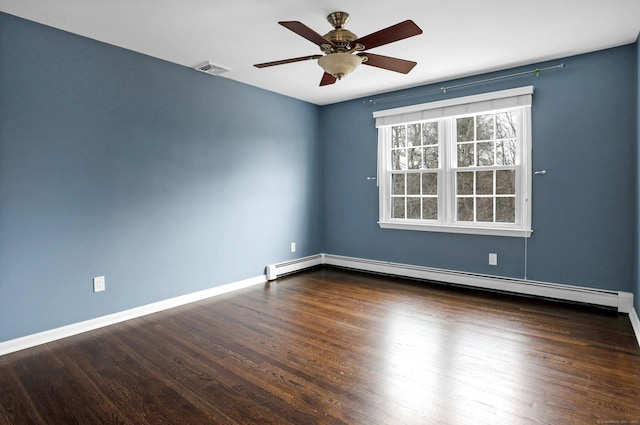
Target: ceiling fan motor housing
(339,36)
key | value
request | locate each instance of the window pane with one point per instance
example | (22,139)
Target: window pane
(484,195)
(413,208)
(465,155)
(465,209)
(465,183)
(506,125)
(429,184)
(484,183)
(413,184)
(413,135)
(397,186)
(506,210)
(398,207)
(430,133)
(415,158)
(484,127)
(484,209)
(398,136)
(430,208)
(506,182)
(464,128)
(485,153)
(430,157)
(399,159)
(506,152)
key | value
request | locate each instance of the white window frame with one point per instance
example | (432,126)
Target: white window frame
(520,98)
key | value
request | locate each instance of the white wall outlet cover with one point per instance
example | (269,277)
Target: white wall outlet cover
(293,247)
(493,259)
(98,284)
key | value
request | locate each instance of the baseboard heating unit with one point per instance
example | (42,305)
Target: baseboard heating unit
(287,267)
(621,301)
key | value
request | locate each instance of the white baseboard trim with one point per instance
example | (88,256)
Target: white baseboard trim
(623,301)
(635,323)
(33,340)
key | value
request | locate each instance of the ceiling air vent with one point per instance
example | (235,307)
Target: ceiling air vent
(211,68)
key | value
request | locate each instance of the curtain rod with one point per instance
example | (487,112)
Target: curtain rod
(444,89)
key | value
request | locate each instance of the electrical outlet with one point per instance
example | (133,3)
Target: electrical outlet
(98,284)
(493,259)
(293,247)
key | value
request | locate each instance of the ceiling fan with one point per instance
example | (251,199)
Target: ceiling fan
(343,51)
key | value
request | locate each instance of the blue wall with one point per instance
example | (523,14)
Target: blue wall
(168,181)
(163,179)
(583,211)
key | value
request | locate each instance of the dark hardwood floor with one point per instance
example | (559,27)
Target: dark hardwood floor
(330,346)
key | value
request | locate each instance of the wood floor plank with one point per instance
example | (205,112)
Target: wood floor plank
(17,405)
(331,346)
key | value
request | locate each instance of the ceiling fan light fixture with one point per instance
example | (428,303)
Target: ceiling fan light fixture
(339,64)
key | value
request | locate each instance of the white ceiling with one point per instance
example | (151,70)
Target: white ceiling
(461,37)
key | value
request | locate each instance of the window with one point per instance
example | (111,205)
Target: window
(459,165)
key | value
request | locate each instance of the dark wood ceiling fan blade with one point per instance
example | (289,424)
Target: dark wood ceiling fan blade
(327,79)
(387,62)
(306,32)
(284,61)
(388,35)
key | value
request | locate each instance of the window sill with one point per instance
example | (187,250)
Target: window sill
(489,231)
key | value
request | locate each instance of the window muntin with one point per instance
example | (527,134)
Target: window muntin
(463,173)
